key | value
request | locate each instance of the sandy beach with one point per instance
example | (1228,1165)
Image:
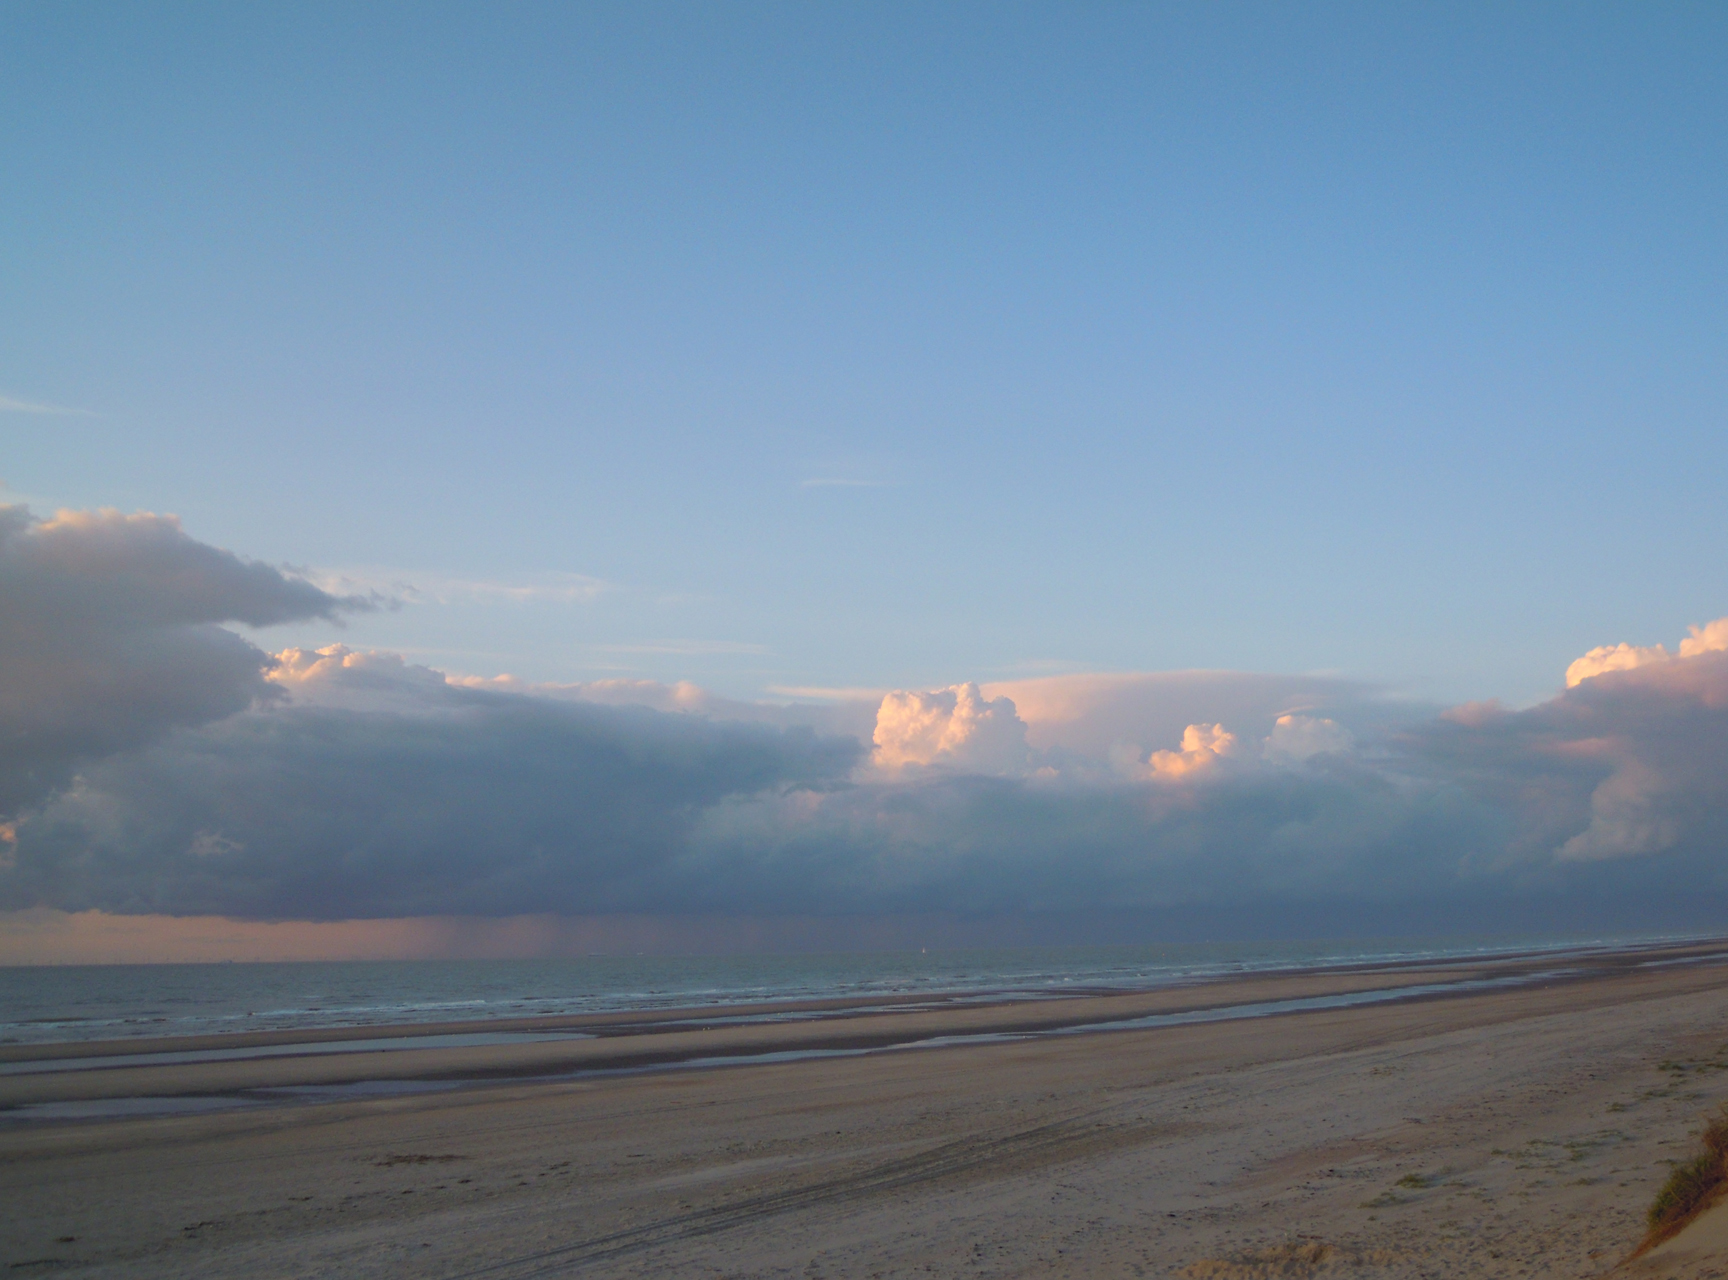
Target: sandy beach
(1498,1118)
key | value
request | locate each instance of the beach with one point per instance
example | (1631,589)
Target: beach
(1493,1117)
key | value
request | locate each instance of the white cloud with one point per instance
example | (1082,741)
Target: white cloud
(1203,746)
(151,760)
(9,405)
(1296,737)
(1091,714)
(680,696)
(410,586)
(1712,637)
(1613,657)
(955,727)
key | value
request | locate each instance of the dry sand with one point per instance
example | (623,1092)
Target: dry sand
(1506,1133)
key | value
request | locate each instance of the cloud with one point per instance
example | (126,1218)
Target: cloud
(1617,657)
(955,727)
(9,405)
(1203,746)
(407,586)
(158,764)
(831,693)
(853,717)
(1296,738)
(978,845)
(1096,714)
(377,788)
(1630,761)
(1712,637)
(681,696)
(110,636)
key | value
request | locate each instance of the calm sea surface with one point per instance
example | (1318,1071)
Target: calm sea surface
(101,1002)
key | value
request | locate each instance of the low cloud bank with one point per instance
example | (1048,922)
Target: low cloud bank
(159,764)
(110,635)
(422,798)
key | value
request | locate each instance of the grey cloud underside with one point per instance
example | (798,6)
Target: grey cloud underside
(1626,765)
(504,806)
(497,804)
(110,635)
(473,802)
(152,761)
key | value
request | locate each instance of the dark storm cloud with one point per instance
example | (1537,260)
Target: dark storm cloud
(1627,765)
(450,801)
(110,635)
(381,790)
(495,804)
(155,762)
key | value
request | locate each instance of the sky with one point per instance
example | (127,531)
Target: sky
(791,463)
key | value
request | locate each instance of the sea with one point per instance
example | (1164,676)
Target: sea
(68,1003)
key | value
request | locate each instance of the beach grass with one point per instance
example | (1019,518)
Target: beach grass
(1692,1186)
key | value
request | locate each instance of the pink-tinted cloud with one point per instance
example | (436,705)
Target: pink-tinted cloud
(1093,713)
(1203,748)
(1630,760)
(1711,637)
(196,776)
(955,727)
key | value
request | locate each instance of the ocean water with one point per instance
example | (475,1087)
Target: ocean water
(63,1003)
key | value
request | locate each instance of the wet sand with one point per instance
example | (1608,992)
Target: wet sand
(1517,1129)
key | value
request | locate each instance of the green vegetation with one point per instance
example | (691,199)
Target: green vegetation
(1692,1186)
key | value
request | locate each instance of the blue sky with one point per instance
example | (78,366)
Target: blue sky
(789,346)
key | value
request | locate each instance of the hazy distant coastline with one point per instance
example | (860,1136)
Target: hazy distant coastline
(101,1002)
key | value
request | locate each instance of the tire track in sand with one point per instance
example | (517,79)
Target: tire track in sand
(999,1156)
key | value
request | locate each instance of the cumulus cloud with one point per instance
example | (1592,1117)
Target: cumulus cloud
(1297,738)
(955,727)
(1092,714)
(1711,637)
(1613,657)
(1628,761)
(110,635)
(1203,747)
(157,763)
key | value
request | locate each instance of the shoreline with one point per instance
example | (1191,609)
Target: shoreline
(45,1084)
(1488,1131)
(1008,974)
(841,1005)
